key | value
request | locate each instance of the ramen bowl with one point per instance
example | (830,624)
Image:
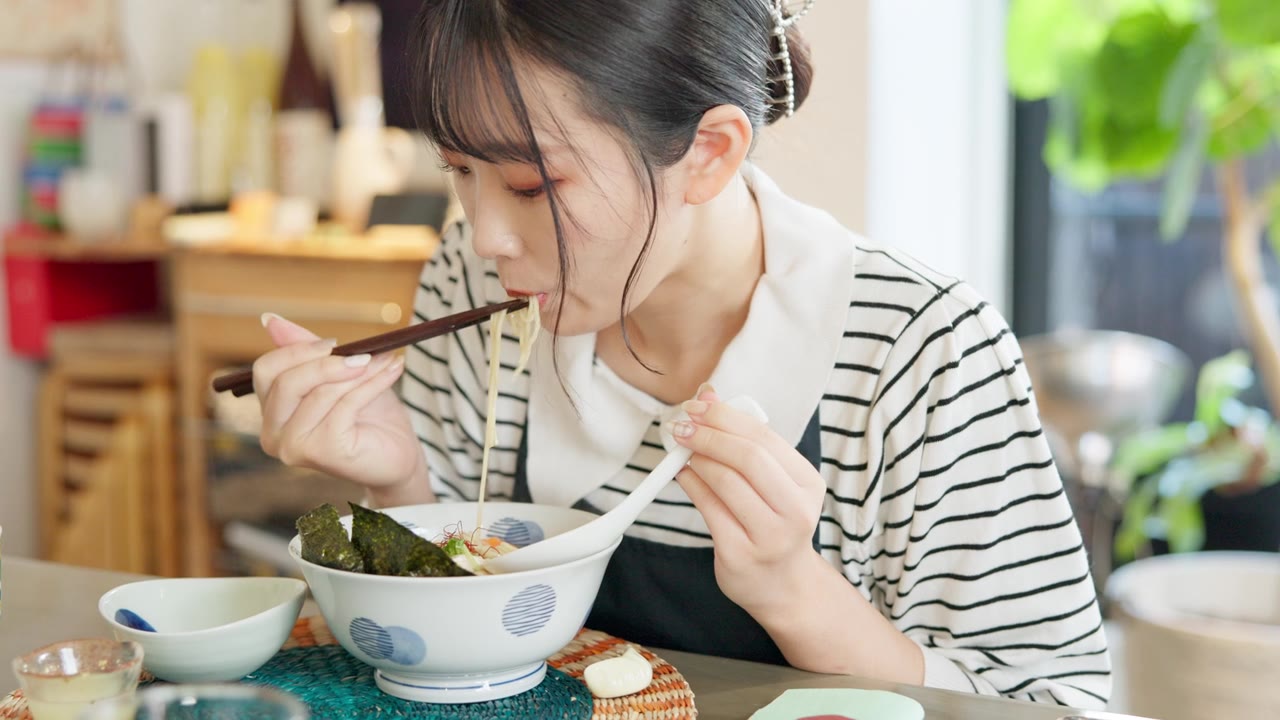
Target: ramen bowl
(461,639)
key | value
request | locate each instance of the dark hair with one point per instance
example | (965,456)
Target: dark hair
(650,68)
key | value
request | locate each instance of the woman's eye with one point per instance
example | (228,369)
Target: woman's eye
(460,169)
(529,194)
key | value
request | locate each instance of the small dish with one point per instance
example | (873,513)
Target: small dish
(205,630)
(61,680)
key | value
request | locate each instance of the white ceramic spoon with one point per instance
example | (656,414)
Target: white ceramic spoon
(604,530)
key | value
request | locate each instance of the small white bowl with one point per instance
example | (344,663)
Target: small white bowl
(462,639)
(203,630)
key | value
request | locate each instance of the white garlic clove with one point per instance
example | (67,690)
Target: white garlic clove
(625,674)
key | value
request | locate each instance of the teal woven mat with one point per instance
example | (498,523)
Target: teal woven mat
(336,686)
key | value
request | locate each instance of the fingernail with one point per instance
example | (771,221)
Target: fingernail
(355,361)
(395,365)
(704,388)
(695,407)
(267,316)
(682,429)
(328,342)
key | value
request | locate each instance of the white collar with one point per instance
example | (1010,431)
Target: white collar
(782,357)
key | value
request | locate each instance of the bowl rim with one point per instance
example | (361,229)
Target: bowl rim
(299,593)
(295,551)
(295,544)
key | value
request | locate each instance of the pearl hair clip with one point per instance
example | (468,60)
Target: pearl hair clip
(782,20)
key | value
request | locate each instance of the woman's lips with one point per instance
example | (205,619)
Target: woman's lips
(542,297)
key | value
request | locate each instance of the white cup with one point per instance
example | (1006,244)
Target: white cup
(91,205)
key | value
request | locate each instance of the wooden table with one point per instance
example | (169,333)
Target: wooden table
(45,603)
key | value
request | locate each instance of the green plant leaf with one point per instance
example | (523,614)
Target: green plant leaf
(1139,150)
(1237,103)
(1142,454)
(1197,474)
(1072,146)
(1185,77)
(1041,38)
(1135,61)
(1183,523)
(1183,178)
(1132,534)
(1221,379)
(1249,23)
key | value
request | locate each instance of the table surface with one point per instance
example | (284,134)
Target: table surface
(45,603)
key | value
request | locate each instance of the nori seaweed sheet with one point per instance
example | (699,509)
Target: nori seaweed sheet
(325,542)
(389,548)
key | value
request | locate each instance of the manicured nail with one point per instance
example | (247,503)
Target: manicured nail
(267,316)
(704,388)
(395,365)
(695,407)
(356,361)
(328,343)
(682,429)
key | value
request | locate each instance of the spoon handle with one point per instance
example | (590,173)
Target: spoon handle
(601,532)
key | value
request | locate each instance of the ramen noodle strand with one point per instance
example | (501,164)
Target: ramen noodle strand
(527,322)
(490,421)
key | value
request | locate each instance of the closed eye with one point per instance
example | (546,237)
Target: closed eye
(532,193)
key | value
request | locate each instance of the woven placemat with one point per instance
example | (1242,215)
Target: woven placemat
(336,685)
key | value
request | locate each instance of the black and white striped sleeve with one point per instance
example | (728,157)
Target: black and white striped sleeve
(447,427)
(977,556)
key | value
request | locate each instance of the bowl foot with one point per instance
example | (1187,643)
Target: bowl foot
(468,688)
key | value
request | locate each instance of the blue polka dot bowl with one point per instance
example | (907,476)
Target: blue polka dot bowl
(461,639)
(205,630)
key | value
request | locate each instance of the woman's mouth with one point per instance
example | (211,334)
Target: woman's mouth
(541,296)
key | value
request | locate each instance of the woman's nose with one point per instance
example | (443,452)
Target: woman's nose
(492,238)
(493,231)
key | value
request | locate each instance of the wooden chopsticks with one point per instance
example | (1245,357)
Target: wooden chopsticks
(240,383)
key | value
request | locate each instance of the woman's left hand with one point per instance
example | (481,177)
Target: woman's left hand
(760,498)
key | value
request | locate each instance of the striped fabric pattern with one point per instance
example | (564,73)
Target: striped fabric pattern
(943,508)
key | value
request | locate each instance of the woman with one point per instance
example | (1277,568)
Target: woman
(899,516)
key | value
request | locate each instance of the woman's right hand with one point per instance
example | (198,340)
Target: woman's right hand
(338,415)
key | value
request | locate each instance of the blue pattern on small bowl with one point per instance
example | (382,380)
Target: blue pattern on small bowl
(530,610)
(398,644)
(517,532)
(131,619)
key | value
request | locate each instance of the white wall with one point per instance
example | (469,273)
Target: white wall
(938,125)
(20,84)
(819,155)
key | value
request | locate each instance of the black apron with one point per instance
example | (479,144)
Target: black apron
(666,596)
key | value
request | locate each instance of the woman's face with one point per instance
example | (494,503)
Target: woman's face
(603,207)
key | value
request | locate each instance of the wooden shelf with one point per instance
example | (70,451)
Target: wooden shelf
(374,247)
(67,248)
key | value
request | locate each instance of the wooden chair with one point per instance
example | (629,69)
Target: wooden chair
(107,462)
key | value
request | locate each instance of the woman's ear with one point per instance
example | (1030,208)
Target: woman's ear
(719,149)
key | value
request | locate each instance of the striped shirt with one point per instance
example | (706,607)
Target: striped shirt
(943,505)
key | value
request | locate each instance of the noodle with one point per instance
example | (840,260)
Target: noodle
(527,322)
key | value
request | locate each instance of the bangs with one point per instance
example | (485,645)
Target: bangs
(467,96)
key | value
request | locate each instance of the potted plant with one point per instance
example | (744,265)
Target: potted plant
(1229,447)
(1175,89)
(1172,89)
